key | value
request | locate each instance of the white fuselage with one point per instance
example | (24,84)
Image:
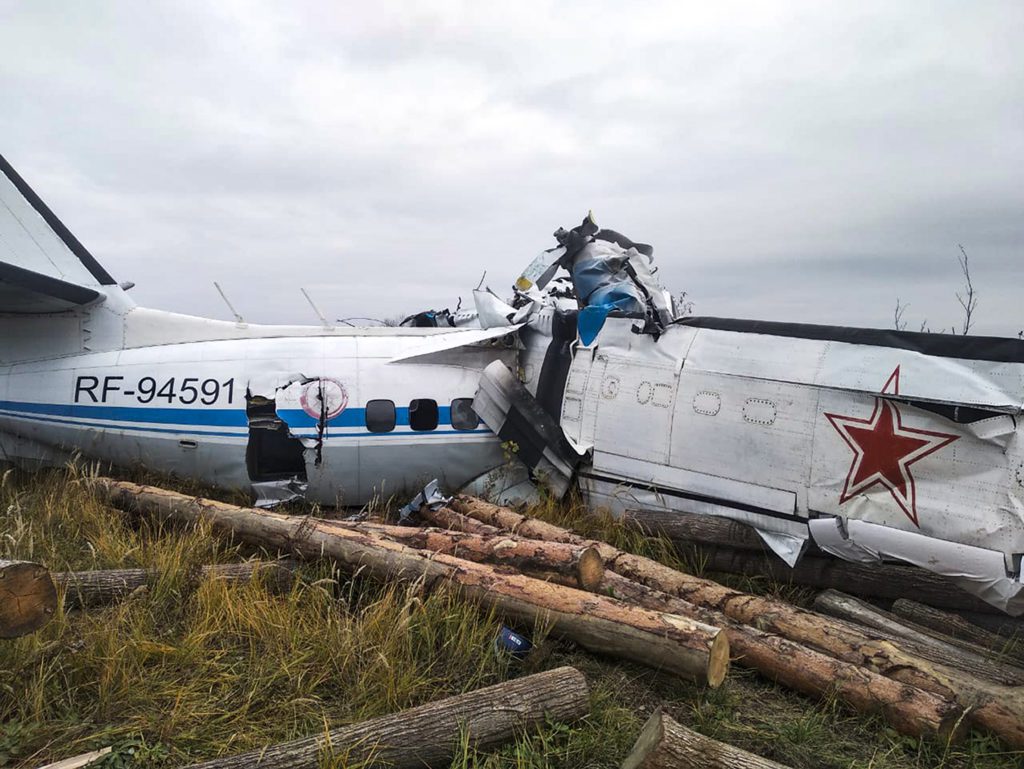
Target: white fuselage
(796,436)
(200,410)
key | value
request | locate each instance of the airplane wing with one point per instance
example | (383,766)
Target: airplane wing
(453,340)
(43,267)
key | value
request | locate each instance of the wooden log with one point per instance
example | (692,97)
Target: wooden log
(503,519)
(1002,625)
(916,639)
(28,598)
(446,518)
(693,529)
(600,624)
(997,708)
(89,589)
(889,581)
(907,709)
(429,735)
(724,545)
(955,628)
(666,744)
(583,563)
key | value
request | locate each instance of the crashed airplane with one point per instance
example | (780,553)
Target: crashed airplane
(875,445)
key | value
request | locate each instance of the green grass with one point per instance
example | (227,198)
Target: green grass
(185,671)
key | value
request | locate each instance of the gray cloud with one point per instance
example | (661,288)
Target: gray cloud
(810,161)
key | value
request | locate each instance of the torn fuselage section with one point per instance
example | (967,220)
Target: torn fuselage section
(287,430)
(876,445)
(516,417)
(274,458)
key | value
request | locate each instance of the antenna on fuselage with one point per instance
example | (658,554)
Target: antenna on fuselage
(238,318)
(316,309)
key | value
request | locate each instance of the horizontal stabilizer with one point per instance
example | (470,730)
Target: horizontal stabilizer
(43,267)
(24,291)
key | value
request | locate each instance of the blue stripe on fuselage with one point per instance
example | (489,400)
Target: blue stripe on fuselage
(56,413)
(198,417)
(356,417)
(179,430)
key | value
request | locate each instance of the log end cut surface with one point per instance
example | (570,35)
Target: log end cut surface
(28,598)
(590,569)
(666,744)
(718,662)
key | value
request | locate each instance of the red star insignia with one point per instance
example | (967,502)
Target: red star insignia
(884,450)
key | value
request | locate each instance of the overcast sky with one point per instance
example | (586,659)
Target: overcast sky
(806,161)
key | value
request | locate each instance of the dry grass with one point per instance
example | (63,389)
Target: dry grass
(185,671)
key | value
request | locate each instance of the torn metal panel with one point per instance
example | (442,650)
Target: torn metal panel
(507,407)
(541,270)
(788,547)
(272,493)
(491,311)
(509,484)
(429,497)
(979,571)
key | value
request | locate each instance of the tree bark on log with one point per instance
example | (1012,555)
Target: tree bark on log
(89,589)
(955,628)
(1000,709)
(600,624)
(666,744)
(726,546)
(907,709)
(915,639)
(889,581)
(446,518)
(583,563)
(693,529)
(429,735)
(1002,625)
(28,598)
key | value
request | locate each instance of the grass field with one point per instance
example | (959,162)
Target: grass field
(187,670)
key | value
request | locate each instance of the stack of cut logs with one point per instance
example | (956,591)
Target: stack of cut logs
(894,664)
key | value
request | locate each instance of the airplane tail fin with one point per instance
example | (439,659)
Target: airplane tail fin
(43,267)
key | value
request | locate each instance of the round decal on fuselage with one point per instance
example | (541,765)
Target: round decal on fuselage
(334,394)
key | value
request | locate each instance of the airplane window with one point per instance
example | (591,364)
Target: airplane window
(380,416)
(463,416)
(423,414)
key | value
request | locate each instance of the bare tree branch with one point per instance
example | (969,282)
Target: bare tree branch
(897,316)
(969,299)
